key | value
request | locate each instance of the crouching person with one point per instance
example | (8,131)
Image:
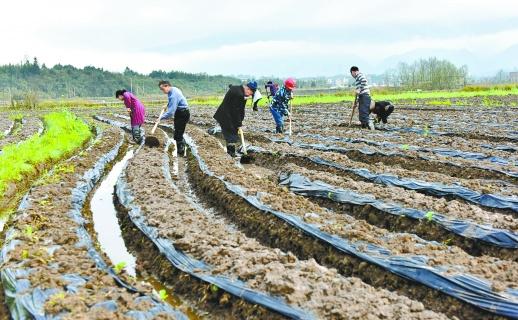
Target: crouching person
(231,113)
(382,109)
(137,113)
(178,109)
(279,106)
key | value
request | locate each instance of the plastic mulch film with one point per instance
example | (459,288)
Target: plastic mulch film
(301,185)
(464,287)
(440,151)
(119,124)
(196,268)
(435,189)
(25,301)
(366,151)
(502,147)
(487,200)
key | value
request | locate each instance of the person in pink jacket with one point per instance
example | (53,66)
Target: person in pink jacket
(136,110)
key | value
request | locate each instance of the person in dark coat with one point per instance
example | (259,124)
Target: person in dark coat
(382,109)
(231,113)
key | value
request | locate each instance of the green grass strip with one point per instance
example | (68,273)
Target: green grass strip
(437,97)
(64,133)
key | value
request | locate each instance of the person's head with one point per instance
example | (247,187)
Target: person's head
(119,94)
(290,84)
(354,71)
(250,88)
(165,86)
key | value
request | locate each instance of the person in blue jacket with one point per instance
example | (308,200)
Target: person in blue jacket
(280,101)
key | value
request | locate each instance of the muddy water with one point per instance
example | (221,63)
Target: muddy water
(105,221)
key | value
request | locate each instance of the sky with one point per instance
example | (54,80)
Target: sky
(261,38)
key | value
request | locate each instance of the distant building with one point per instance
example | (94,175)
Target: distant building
(513,76)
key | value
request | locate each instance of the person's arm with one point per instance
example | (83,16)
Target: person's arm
(172,104)
(128,102)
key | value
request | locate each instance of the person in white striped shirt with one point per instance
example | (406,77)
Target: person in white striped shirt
(364,97)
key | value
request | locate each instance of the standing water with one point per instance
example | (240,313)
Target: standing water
(106,224)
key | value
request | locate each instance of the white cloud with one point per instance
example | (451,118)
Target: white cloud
(234,37)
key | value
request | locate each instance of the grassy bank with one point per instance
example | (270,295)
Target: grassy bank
(479,95)
(64,134)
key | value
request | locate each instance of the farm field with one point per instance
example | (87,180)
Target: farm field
(418,220)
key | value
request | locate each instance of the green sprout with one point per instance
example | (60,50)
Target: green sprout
(405,147)
(29,231)
(25,254)
(119,267)
(447,242)
(429,216)
(214,288)
(163,294)
(426,131)
(55,299)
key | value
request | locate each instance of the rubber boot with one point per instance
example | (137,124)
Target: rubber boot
(180,148)
(370,125)
(231,150)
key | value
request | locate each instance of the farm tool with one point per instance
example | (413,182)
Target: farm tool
(152,140)
(354,109)
(290,111)
(245,158)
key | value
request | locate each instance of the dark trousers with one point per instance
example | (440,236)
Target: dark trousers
(364,103)
(231,138)
(181,117)
(136,134)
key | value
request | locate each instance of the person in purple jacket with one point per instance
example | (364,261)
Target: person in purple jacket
(136,110)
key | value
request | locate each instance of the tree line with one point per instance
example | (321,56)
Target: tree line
(427,74)
(66,81)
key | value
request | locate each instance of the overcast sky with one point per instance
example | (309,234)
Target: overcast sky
(284,37)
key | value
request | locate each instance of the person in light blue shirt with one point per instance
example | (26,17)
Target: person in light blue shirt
(178,109)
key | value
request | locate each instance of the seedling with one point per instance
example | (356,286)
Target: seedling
(25,254)
(119,267)
(405,147)
(55,299)
(447,242)
(426,131)
(214,288)
(429,216)
(162,294)
(29,231)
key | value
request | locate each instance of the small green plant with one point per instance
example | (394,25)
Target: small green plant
(119,267)
(16,117)
(405,147)
(29,231)
(56,298)
(426,131)
(429,216)
(214,288)
(162,294)
(447,242)
(25,254)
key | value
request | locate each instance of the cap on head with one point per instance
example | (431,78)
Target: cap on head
(252,85)
(290,83)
